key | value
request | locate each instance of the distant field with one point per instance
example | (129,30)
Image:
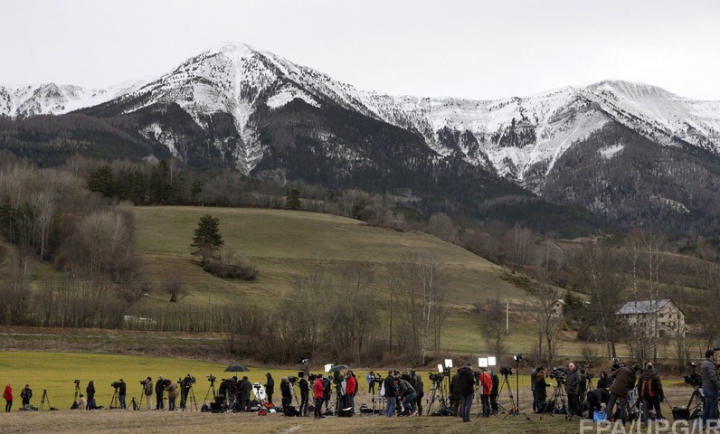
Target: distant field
(284,244)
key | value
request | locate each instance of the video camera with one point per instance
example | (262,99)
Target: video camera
(589,375)
(293,380)
(77,383)
(694,379)
(559,374)
(505,370)
(188,380)
(211,378)
(437,378)
(144,382)
(379,379)
(115,384)
(313,377)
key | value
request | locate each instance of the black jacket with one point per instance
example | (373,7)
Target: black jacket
(285,390)
(573,382)
(245,389)
(270,386)
(389,387)
(304,387)
(122,390)
(159,388)
(90,391)
(466,381)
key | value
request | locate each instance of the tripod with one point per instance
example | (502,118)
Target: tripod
(210,389)
(695,403)
(559,393)
(514,405)
(114,401)
(190,398)
(436,393)
(377,400)
(45,398)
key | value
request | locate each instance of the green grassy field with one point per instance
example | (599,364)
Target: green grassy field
(283,244)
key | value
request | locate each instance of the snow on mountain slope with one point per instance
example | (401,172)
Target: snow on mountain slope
(50,98)
(519,138)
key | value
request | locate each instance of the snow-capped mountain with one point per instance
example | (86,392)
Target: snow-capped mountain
(260,113)
(53,99)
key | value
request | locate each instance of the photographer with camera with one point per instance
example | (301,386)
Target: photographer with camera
(710,387)
(572,388)
(651,392)
(624,381)
(147,385)
(122,392)
(159,391)
(185,386)
(172,391)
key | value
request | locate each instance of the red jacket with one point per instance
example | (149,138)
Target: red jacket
(7,395)
(350,385)
(486,382)
(318,388)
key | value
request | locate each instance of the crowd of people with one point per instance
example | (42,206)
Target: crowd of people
(615,395)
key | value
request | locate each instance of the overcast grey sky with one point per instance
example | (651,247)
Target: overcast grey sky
(474,49)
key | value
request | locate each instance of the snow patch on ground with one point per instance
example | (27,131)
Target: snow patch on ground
(287,95)
(610,151)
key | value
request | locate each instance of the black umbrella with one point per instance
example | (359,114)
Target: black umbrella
(337,368)
(236,368)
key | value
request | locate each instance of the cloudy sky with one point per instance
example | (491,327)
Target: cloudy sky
(465,48)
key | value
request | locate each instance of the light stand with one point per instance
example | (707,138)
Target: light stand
(515,410)
(447,371)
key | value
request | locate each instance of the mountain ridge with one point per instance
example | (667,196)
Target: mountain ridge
(257,112)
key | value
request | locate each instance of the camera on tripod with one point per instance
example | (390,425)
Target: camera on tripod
(694,379)
(293,380)
(77,383)
(559,374)
(115,384)
(313,377)
(379,379)
(211,378)
(144,382)
(505,370)
(437,378)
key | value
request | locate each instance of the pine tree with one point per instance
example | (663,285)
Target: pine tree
(292,201)
(207,239)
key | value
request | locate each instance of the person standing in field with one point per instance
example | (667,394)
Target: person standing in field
(269,387)
(148,389)
(159,391)
(26,394)
(172,391)
(8,397)
(90,391)
(318,394)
